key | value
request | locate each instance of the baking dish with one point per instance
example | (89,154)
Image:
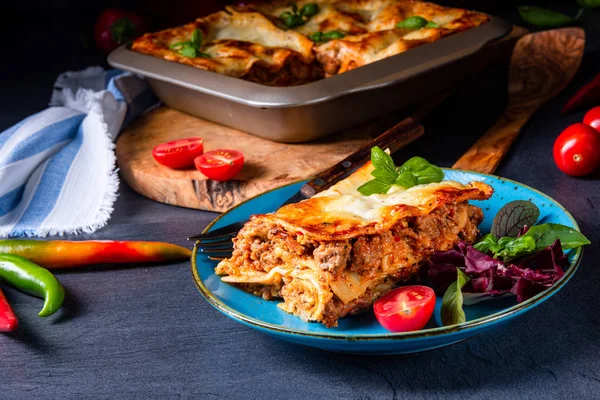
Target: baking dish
(306,112)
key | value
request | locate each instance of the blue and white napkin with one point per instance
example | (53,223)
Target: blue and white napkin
(57,167)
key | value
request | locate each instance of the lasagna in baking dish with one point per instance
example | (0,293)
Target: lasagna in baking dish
(282,44)
(337,252)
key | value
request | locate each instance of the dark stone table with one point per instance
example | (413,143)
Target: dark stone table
(147,333)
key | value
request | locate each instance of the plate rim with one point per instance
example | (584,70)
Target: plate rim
(506,314)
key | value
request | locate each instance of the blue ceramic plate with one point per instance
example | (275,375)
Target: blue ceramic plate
(362,333)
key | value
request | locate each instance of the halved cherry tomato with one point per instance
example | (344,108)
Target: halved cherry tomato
(179,153)
(220,165)
(592,118)
(577,150)
(405,309)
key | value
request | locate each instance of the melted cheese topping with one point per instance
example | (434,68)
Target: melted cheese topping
(251,42)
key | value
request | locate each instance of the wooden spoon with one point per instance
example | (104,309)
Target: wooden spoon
(541,66)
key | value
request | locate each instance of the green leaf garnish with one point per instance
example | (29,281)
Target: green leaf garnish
(432,24)
(513,216)
(326,36)
(537,238)
(589,3)
(412,23)
(544,235)
(452,302)
(190,48)
(416,171)
(297,17)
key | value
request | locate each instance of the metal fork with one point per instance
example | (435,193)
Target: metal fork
(218,245)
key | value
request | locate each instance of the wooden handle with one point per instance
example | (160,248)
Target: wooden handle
(542,65)
(394,139)
(485,155)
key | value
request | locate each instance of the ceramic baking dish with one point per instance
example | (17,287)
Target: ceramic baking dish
(306,112)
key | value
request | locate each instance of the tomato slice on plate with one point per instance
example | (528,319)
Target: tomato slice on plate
(405,309)
(178,153)
(220,165)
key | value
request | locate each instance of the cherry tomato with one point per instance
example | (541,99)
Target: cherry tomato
(115,26)
(220,165)
(405,309)
(592,118)
(178,153)
(577,150)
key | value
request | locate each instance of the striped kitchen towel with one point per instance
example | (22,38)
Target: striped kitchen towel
(57,167)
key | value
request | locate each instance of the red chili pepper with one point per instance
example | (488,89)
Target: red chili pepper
(64,254)
(586,96)
(8,319)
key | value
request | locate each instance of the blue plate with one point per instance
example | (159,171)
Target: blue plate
(362,333)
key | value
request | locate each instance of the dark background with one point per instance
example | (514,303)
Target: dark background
(147,333)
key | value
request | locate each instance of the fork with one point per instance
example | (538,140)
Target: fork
(218,245)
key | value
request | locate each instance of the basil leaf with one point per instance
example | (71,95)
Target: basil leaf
(432,24)
(406,179)
(316,37)
(177,46)
(543,17)
(383,161)
(589,3)
(374,187)
(384,176)
(513,216)
(412,23)
(415,163)
(187,51)
(452,302)
(196,39)
(545,235)
(333,35)
(512,248)
(428,174)
(488,243)
(309,10)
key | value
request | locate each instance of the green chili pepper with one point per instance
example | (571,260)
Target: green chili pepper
(543,17)
(412,23)
(33,279)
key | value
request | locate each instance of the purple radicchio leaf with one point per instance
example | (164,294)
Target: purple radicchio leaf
(475,261)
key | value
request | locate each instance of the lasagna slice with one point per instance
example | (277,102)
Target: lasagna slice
(336,253)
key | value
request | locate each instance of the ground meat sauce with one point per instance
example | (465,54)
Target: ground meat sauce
(395,256)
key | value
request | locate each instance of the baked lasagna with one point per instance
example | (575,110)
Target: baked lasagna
(282,44)
(334,254)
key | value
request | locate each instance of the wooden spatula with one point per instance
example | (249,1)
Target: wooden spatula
(541,66)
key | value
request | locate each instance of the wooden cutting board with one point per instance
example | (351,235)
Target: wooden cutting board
(268,164)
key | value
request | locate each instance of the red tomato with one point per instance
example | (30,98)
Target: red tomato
(405,309)
(592,118)
(178,153)
(577,150)
(115,26)
(220,165)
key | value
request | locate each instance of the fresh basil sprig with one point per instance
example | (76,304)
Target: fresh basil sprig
(190,48)
(544,17)
(322,37)
(513,216)
(415,22)
(452,303)
(537,238)
(416,171)
(297,17)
